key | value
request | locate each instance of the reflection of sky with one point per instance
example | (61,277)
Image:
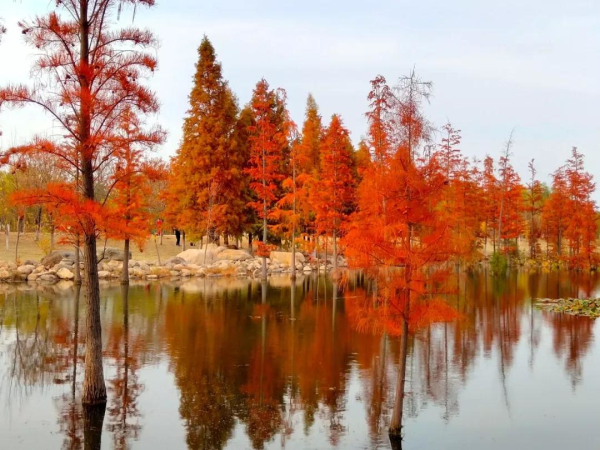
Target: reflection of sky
(544,402)
(495,65)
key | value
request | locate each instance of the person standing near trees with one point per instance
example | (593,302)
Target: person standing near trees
(177,237)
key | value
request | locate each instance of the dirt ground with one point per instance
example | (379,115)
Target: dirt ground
(30,249)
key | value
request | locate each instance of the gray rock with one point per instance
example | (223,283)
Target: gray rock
(58,256)
(176,260)
(112,253)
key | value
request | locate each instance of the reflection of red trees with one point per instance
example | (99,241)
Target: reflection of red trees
(571,339)
(124,387)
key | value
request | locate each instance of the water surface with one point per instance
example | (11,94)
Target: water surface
(226,363)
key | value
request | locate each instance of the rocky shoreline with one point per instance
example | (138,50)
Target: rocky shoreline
(212,262)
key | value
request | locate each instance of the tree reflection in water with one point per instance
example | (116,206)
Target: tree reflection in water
(278,364)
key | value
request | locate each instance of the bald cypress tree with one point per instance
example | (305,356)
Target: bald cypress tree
(207,175)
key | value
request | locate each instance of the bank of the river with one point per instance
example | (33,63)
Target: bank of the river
(211,261)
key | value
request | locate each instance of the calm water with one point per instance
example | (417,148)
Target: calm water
(217,364)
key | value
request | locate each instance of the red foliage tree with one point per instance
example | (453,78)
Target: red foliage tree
(335,192)
(397,235)
(92,76)
(534,202)
(268,141)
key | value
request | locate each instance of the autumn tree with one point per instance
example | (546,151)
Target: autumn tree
(92,75)
(490,193)
(286,211)
(268,142)
(582,225)
(131,186)
(309,164)
(511,208)
(335,191)
(555,213)
(534,202)
(397,234)
(206,172)
(462,196)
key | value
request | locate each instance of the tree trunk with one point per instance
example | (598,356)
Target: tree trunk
(317,252)
(250,244)
(125,271)
(18,238)
(157,252)
(52,237)
(326,255)
(94,388)
(226,240)
(334,252)
(293,254)
(396,422)
(39,225)
(77,265)
(93,422)
(183,240)
(264,258)
(7,235)
(395,431)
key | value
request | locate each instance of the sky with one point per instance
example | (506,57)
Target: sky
(527,65)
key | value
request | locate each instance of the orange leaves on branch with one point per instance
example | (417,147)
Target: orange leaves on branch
(268,139)
(399,234)
(335,189)
(263,250)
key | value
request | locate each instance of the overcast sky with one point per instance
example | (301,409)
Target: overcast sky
(531,65)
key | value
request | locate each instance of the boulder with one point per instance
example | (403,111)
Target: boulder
(112,253)
(50,277)
(5,275)
(32,277)
(64,274)
(103,274)
(25,269)
(58,256)
(177,260)
(196,256)
(233,255)
(286,257)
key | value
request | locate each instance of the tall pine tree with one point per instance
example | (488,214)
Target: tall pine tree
(207,172)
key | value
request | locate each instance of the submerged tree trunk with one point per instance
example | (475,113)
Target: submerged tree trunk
(94,388)
(396,422)
(125,271)
(395,431)
(93,422)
